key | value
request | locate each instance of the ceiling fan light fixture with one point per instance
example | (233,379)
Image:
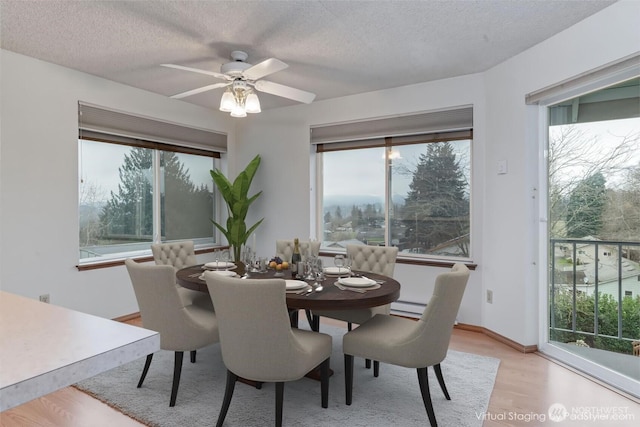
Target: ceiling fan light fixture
(227,102)
(241,80)
(239,111)
(253,103)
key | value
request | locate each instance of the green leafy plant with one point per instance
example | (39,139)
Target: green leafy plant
(238,202)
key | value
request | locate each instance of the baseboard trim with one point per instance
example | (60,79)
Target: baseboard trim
(127,317)
(462,326)
(500,338)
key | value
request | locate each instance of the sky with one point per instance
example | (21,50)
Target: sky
(605,135)
(99,164)
(365,168)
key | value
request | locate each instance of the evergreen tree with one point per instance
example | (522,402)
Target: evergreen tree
(370,214)
(586,206)
(327,217)
(338,213)
(356,216)
(187,209)
(128,214)
(437,207)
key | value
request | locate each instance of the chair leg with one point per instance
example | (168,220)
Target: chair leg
(376,368)
(279,399)
(348,377)
(367,363)
(309,318)
(426,396)
(324,382)
(177,370)
(147,363)
(193,356)
(228,393)
(293,318)
(349,326)
(441,381)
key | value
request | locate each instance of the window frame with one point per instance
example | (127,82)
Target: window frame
(201,246)
(388,142)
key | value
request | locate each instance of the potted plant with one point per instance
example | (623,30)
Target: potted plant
(238,202)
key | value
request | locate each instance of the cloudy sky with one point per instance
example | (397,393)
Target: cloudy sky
(360,172)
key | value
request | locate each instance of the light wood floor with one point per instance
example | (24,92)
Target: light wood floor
(526,385)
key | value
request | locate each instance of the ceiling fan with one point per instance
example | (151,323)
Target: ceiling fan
(241,78)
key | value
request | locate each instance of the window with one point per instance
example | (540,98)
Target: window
(133,192)
(410,191)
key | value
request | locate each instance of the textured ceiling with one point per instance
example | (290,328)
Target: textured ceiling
(333,48)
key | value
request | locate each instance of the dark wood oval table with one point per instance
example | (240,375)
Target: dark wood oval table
(330,298)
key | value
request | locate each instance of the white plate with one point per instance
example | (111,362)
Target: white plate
(335,271)
(226,273)
(295,284)
(356,282)
(221,265)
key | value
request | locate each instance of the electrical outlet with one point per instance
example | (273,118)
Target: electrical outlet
(489,296)
(44,298)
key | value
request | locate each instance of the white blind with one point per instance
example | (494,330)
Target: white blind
(415,124)
(609,74)
(102,120)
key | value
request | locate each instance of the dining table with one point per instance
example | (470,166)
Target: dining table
(331,297)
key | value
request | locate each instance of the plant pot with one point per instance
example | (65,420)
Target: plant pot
(240,268)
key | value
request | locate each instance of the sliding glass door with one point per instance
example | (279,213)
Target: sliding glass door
(593,233)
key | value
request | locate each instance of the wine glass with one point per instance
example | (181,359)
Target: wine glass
(348,262)
(311,268)
(224,258)
(338,260)
(319,270)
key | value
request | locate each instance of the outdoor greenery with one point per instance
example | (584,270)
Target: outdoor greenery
(437,208)
(607,320)
(586,206)
(127,215)
(581,202)
(433,213)
(594,194)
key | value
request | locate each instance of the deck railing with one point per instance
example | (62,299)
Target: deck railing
(579,265)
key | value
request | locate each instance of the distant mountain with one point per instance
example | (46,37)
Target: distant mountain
(359,200)
(330,201)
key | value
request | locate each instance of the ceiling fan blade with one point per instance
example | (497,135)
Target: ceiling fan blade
(284,91)
(266,67)
(197,70)
(200,90)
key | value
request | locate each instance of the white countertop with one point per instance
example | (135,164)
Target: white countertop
(44,348)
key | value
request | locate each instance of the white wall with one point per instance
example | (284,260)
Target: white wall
(511,267)
(39,180)
(281,137)
(504,210)
(38,175)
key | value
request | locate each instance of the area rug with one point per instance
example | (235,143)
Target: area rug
(392,399)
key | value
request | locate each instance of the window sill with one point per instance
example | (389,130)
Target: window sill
(119,262)
(428,262)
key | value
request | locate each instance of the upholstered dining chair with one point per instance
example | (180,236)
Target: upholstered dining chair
(257,340)
(410,343)
(284,248)
(179,255)
(182,326)
(373,259)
